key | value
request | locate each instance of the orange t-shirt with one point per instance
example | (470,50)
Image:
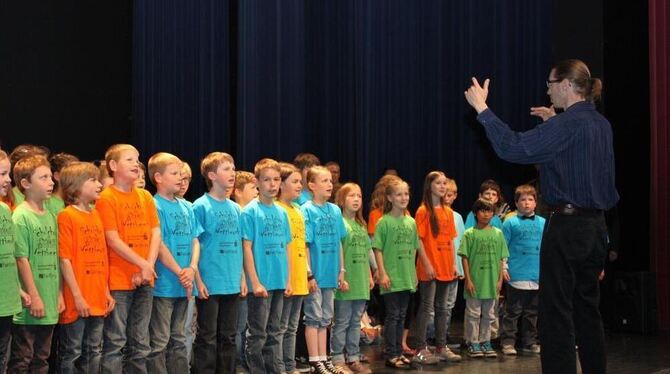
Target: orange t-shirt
(81,239)
(440,249)
(133,215)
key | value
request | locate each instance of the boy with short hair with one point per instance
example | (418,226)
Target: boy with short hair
(37,261)
(245,188)
(84,267)
(266,235)
(133,236)
(178,254)
(220,279)
(523,233)
(483,250)
(304,161)
(58,161)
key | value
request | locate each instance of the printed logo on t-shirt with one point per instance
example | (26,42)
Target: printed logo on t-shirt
(133,216)
(6,230)
(46,241)
(403,235)
(272,226)
(227,223)
(486,249)
(181,224)
(92,236)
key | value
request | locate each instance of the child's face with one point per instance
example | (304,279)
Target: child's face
(224,176)
(354,200)
(484,217)
(185,183)
(322,186)
(170,179)
(450,197)
(268,183)
(399,198)
(438,187)
(334,173)
(249,192)
(90,190)
(526,204)
(107,181)
(141,181)
(41,184)
(291,186)
(490,195)
(127,167)
(5,180)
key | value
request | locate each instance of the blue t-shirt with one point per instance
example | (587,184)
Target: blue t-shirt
(304,197)
(524,237)
(471,221)
(220,244)
(178,229)
(324,230)
(267,227)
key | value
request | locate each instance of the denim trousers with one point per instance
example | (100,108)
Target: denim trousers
(168,341)
(214,347)
(290,319)
(126,333)
(346,331)
(435,299)
(81,345)
(263,348)
(396,310)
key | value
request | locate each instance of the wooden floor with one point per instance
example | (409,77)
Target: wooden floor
(626,354)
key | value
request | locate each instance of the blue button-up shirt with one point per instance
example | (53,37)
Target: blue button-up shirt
(574,150)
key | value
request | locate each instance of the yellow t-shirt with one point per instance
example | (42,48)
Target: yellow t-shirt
(297,257)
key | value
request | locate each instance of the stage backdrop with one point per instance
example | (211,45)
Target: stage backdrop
(370,84)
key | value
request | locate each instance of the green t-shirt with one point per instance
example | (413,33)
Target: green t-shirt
(484,249)
(19,197)
(10,302)
(397,239)
(37,239)
(356,246)
(54,205)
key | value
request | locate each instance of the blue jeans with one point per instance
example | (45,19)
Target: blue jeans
(214,347)
(168,342)
(241,336)
(81,345)
(263,349)
(126,333)
(346,333)
(319,308)
(290,318)
(189,330)
(396,309)
(434,299)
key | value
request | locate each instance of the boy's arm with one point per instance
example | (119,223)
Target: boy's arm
(384,280)
(250,268)
(288,291)
(311,281)
(166,258)
(68,276)
(469,285)
(343,285)
(501,275)
(26,275)
(154,245)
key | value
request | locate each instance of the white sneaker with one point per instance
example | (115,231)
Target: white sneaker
(508,350)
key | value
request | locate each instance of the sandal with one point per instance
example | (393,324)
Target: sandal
(406,360)
(396,363)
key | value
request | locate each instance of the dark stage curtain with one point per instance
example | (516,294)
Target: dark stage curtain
(659,67)
(370,84)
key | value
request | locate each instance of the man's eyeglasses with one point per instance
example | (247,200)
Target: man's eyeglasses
(550,81)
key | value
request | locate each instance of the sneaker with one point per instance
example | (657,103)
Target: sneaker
(445,354)
(358,367)
(488,350)
(302,367)
(508,350)
(533,348)
(425,357)
(318,368)
(475,350)
(397,363)
(336,369)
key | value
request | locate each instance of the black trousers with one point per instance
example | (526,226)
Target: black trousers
(573,252)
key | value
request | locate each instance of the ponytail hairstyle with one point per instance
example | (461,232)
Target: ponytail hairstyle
(392,188)
(341,197)
(379,192)
(427,201)
(579,75)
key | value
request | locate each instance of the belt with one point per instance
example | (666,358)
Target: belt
(573,210)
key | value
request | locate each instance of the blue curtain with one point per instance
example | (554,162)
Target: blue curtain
(370,84)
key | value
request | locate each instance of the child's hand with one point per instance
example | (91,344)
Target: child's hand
(203,293)
(186,276)
(430,271)
(148,274)
(372,282)
(602,275)
(36,306)
(385,281)
(244,290)
(499,286)
(343,286)
(260,291)
(506,276)
(25,298)
(111,303)
(470,287)
(136,279)
(82,307)
(312,285)
(60,306)
(288,291)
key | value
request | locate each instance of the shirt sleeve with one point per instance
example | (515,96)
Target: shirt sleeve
(464,248)
(379,236)
(107,214)
(422,222)
(195,224)
(65,233)
(247,225)
(309,230)
(150,206)
(504,251)
(22,238)
(287,227)
(507,230)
